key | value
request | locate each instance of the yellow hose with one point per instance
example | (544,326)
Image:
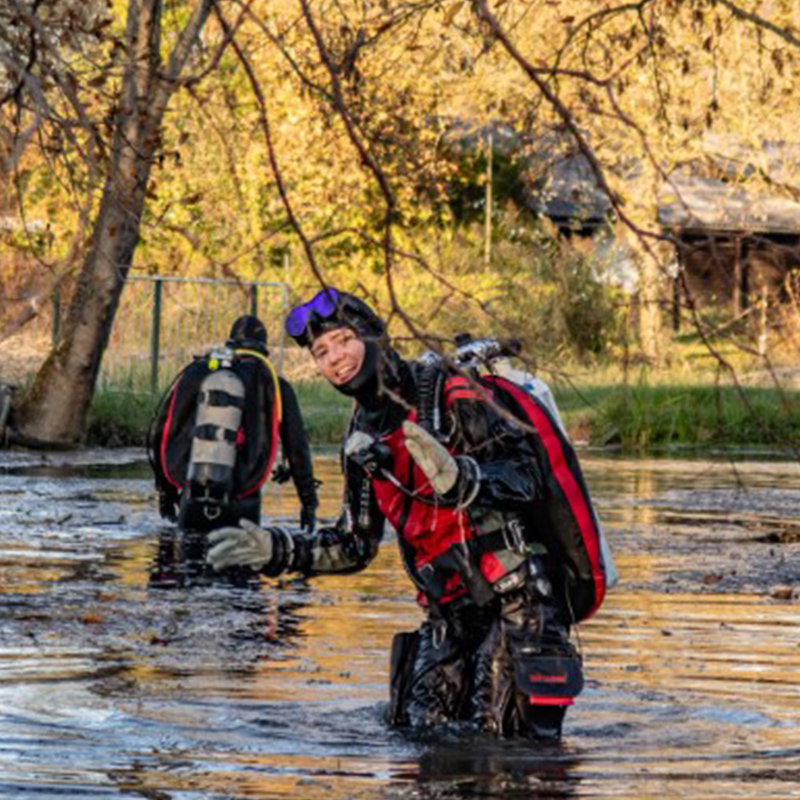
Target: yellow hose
(268,364)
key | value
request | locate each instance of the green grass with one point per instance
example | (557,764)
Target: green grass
(121,419)
(685,405)
(326,413)
(639,416)
(646,418)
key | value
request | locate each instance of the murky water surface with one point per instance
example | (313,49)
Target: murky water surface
(125,674)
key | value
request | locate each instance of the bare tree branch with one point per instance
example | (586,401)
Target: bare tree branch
(784,33)
(266,130)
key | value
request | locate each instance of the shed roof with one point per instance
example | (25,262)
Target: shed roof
(698,203)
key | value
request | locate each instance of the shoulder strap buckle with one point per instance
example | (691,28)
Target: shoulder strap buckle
(514,536)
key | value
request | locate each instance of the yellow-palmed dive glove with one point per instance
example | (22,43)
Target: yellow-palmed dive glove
(432,457)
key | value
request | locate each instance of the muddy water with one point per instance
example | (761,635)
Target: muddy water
(125,673)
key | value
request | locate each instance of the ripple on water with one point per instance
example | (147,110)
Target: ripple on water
(125,671)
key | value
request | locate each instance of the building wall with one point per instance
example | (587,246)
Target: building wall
(709,264)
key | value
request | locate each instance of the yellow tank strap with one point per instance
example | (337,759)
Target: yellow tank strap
(268,364)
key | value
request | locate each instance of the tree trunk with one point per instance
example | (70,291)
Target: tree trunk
(6,194)
(54,410)
(55,407)
(650,322)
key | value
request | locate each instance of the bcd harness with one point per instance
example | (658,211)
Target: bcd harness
(565,526)
(208,419)
(449,549)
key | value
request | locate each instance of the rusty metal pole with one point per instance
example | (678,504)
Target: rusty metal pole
(488,233)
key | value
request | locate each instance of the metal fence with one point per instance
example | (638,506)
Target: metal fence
(163,322)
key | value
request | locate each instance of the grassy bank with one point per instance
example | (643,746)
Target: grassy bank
(639,417)
(326,413)
(650,418)
(118,419)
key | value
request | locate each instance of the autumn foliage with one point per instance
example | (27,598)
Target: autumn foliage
(346,131)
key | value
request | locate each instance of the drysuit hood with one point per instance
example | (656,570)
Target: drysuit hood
(250,333)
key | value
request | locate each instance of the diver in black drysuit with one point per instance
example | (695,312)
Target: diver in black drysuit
(249,333)
(489,608)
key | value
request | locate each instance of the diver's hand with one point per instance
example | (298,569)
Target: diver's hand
(247,545)
(432,457)
(358,445)
(168,506)
(369,453)
(308,517)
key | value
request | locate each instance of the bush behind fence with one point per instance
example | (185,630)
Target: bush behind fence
(160,325)
(163,322)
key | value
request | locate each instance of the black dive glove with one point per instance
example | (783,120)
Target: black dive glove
(308,517)
(370,454)
(168,506)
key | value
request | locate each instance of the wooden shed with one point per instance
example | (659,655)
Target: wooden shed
(733,241)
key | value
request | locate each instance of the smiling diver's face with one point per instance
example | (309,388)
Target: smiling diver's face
(339,355)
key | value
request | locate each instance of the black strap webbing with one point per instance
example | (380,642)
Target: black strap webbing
(209,433)
(217,397)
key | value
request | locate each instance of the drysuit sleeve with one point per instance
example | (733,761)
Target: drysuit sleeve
(168,495)
(350,544)
(503,469)
(295,446)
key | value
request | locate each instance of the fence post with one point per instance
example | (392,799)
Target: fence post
(281,326)
(286,258)
(253,300)
(155,337)
(487,254)
(56,328)
(763,330)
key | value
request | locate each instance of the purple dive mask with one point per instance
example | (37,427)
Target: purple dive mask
(331,308)
(321,307)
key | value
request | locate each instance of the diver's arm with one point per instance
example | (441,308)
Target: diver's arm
(346,547)
(350,544)
(498,467)
(295,446)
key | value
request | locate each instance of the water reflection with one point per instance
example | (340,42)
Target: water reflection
(180,562)
(127,670)
(478,767)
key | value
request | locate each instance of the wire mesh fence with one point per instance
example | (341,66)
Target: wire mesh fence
(163,322)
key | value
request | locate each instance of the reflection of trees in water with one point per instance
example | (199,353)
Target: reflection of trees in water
(194,620)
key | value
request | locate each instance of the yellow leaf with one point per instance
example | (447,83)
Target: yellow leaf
(452,11)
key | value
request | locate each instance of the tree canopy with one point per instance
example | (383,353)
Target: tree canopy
(346,129)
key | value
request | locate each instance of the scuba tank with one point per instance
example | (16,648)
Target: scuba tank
(495,355)
(210,474)
(213,439)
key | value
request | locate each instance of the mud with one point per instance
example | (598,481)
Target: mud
(127,671)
